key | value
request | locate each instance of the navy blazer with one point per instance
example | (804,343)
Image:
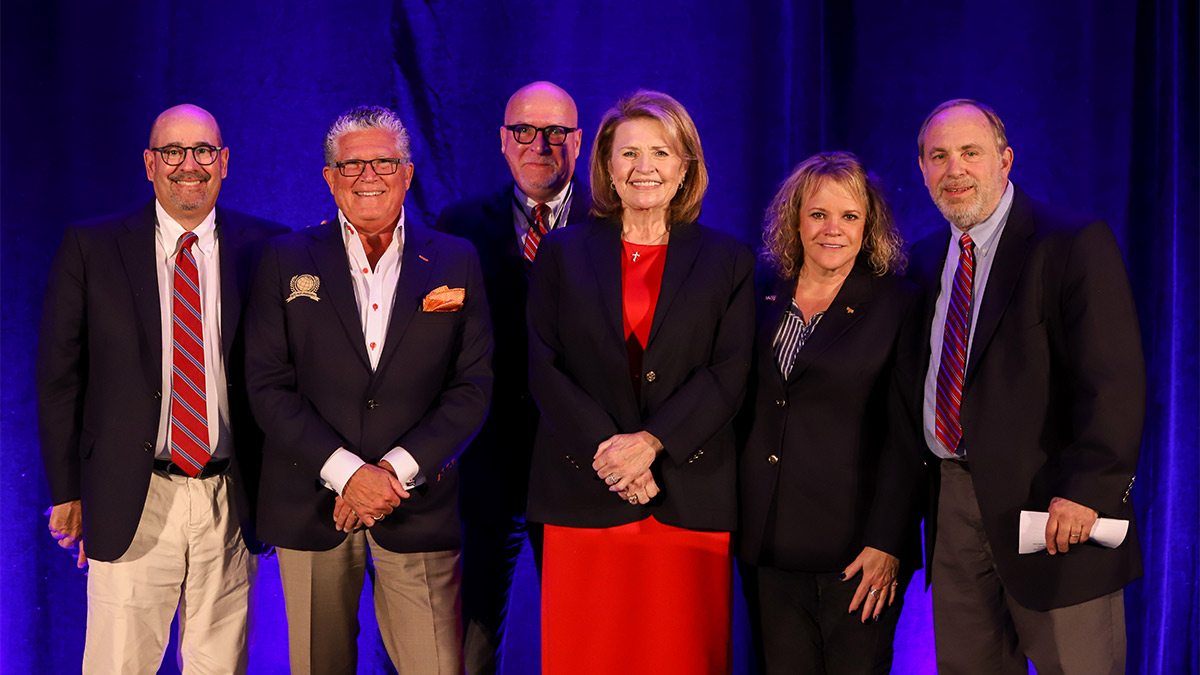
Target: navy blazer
(819,478)
(695,367)
(313,391)
(99,369)
(1053,396)
(495,469)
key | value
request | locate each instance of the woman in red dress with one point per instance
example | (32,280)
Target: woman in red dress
(641,334)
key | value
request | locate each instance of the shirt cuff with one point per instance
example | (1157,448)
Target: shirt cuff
(408,472)
(338,469)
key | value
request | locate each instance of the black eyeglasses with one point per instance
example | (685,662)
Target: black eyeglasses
(383,166)
(525,133)
(174,155)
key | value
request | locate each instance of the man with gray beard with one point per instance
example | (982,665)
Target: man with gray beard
(147,439)
(1027,384)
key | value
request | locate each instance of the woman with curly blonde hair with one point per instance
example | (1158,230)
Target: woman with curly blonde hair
(829,519)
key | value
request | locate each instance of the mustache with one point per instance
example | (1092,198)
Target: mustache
(188,175)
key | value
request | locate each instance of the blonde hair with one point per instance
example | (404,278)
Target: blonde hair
(882,245)
(645,104)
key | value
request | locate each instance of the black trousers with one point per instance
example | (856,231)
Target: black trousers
(800,623)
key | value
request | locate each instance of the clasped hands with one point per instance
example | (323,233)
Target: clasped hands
(372,492)
(623,463)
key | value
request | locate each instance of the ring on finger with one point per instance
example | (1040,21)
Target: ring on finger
(874,592)
(633,499)
(612,479)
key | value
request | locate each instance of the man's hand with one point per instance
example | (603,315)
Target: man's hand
(66,526)
(372,492)
(624,457)
(1070,523)
(344,517)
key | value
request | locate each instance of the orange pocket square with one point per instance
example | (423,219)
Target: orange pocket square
(443,299)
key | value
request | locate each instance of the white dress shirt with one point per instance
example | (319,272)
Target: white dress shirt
(206,250)
(375,292)
(986,237)
(523,211)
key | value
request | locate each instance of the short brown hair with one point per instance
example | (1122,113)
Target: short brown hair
(993,119)
(645,104)
(882,245)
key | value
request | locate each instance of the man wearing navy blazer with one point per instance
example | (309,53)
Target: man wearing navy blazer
(495,470)
(1029,385)
(369,369)
(108,405)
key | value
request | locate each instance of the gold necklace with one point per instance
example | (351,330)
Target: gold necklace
(638,253)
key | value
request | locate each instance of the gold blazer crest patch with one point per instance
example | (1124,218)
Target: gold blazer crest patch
(305,286)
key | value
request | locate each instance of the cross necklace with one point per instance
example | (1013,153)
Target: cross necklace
(637,254)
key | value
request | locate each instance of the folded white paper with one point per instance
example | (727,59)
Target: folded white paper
(1108,532)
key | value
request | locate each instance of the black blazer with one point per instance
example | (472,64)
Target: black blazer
(312,388)
(813,467)
(695,369)
(1053,397)
(99,369)
(496,466)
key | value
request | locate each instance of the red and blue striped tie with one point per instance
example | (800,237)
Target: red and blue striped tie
(538,229)
(189,406)
(953,365)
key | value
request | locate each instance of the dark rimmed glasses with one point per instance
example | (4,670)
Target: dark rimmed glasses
(525,133)
(383,166)
(174,155)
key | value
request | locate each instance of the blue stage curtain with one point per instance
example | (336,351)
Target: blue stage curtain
(1100,100)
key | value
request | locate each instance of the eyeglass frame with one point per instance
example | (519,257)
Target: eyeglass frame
(216,150)
(567,131)
(394,162)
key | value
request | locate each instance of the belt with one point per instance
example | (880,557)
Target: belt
(214,467)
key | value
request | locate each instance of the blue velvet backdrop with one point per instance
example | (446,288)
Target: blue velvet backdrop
(1100,100)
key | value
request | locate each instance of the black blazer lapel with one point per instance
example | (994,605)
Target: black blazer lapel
(417,264)
(682,249)
(604,253)
(229,234)
(848,306)
(773,305)
(138,256)
(329,254)
(1011,253)
(581,203)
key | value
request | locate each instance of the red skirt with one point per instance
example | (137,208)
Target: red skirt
(638,598)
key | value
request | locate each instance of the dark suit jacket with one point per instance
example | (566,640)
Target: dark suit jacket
(495,469)
(695,367)
(99,369)
(815,486)
(1053,397)
(312,388)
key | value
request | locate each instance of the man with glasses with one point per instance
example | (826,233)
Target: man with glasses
(147,439)
(369,369)
(540,141)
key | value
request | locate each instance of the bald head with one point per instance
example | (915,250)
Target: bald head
(541,170)
(542,97)
(185,112)
(186,188)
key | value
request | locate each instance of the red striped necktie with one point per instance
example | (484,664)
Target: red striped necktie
(953,365)
(189,407)
(537,230)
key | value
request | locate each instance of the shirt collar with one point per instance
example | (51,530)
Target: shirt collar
(171,231)
(556,204)
(986,234)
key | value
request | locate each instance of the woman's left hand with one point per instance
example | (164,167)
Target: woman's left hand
(879,581)
(624,457)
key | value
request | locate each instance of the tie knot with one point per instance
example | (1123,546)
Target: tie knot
(186,241)
(541,213)
(965,242)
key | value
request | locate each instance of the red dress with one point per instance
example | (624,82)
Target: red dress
(643,597)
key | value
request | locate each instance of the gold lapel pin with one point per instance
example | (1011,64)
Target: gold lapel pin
(770,298)
(423,258)
(849,310)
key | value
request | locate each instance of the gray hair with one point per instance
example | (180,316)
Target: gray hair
(362,118)
(992,118)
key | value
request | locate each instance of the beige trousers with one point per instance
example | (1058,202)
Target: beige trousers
(188,554)
(417,606)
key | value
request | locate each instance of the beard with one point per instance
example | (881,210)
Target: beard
(967,212)
(189,201)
